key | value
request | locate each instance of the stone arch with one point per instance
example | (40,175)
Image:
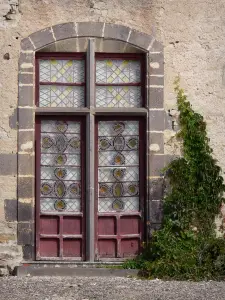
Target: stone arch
(154,112)
(58,32)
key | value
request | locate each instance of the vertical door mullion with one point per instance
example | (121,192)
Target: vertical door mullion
(90,155)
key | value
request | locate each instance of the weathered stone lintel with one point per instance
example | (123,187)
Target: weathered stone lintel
(64,31)
(58,32)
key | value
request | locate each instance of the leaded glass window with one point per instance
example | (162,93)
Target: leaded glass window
(90,155)
(62,82)
(60,189)
(118,166)
(118,83)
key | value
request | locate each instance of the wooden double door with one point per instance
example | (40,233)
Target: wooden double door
(61,197)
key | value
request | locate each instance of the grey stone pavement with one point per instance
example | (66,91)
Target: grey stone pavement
(88,288)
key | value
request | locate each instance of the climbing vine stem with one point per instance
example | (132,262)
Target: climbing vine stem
(186,246)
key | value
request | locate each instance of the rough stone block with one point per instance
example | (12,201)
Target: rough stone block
(6,238)
(156,47)
(156,211)
(28,252)
(90,29)
(156,189)
(26,44)
(168,121)
(169,158)
(153,228)
(25,164)
(64,31)
(156,120)
(13,119)
(157,138)
(25,234)
(110,46)
(156,97)
(4,271)
(26,58)
(26,118)
(156,64)
(8,164)
(140,39)
(25,212)
(25,187)
(10,208)
(26,96)
(26,78)
(117,32)
(42,38)
(156,164)
(26,141)
(156,80)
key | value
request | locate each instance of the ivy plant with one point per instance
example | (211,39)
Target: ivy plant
(186,246)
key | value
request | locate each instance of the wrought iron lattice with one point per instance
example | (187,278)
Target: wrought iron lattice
(118,167)
(64,71)
(60,187)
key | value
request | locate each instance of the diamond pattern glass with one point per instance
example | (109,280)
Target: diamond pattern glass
(61,96)
(118,83)
(63,71)
(118,96)
(118,166)
(60,187)
(118,71)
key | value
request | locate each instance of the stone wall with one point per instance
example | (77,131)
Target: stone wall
(193,35)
